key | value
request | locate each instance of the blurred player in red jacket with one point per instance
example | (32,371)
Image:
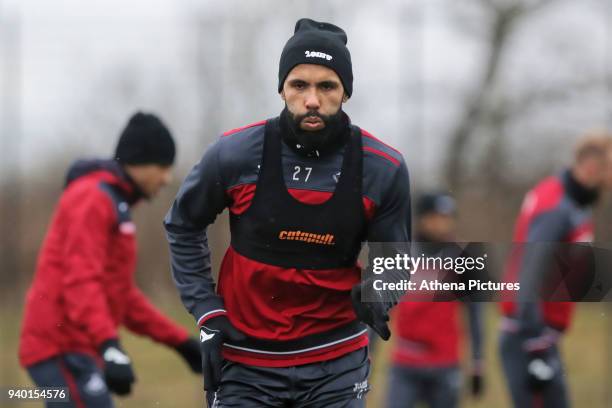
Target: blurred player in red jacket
(557,210)
(426,353)
(84,287)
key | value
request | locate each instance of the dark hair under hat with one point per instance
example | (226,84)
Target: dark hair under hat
(438,203)
(318,43)
(145,140)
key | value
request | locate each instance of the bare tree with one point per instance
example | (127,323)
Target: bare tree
(504,16)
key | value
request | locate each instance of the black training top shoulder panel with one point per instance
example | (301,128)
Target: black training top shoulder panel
(240,156)
(120,204)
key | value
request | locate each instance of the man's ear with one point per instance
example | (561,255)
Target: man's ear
(345,98)
(282,94)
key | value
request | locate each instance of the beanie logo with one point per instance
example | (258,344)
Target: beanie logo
(318,54)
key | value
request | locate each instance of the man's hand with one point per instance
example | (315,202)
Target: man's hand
(118,372)
(212,335)
(373,313)
(540,371)
(190,351)
(477,383)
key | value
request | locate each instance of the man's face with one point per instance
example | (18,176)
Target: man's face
(311,90)
(438,227)
(595,171)
(150,178)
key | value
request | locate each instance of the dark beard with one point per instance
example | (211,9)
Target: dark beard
(318,142)
(584,196)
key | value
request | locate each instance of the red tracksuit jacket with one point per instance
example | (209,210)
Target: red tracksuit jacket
(84,287)
(550,213)
(430,333)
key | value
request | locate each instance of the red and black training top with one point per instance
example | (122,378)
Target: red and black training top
(84,286)
(297,225)
(558,209)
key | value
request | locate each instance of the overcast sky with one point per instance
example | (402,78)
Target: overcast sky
(410,69)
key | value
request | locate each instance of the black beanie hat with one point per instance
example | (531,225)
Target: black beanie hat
(438,203)
(317,43)
(145,140)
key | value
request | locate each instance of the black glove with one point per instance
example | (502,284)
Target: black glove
(476,384)
(373,313)
(540,371)
(190,351)
(118,372)
(212,335)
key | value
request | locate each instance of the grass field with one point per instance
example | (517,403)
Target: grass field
(165,381)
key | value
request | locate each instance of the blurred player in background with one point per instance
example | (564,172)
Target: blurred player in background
(557,210)
(427,350)
(84,287)
(286,325)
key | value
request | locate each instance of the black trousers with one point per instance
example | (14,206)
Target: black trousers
(80,374)
(514,362)
(341,382)
(437,387)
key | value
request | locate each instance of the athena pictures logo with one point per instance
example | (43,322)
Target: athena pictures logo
(318,54)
